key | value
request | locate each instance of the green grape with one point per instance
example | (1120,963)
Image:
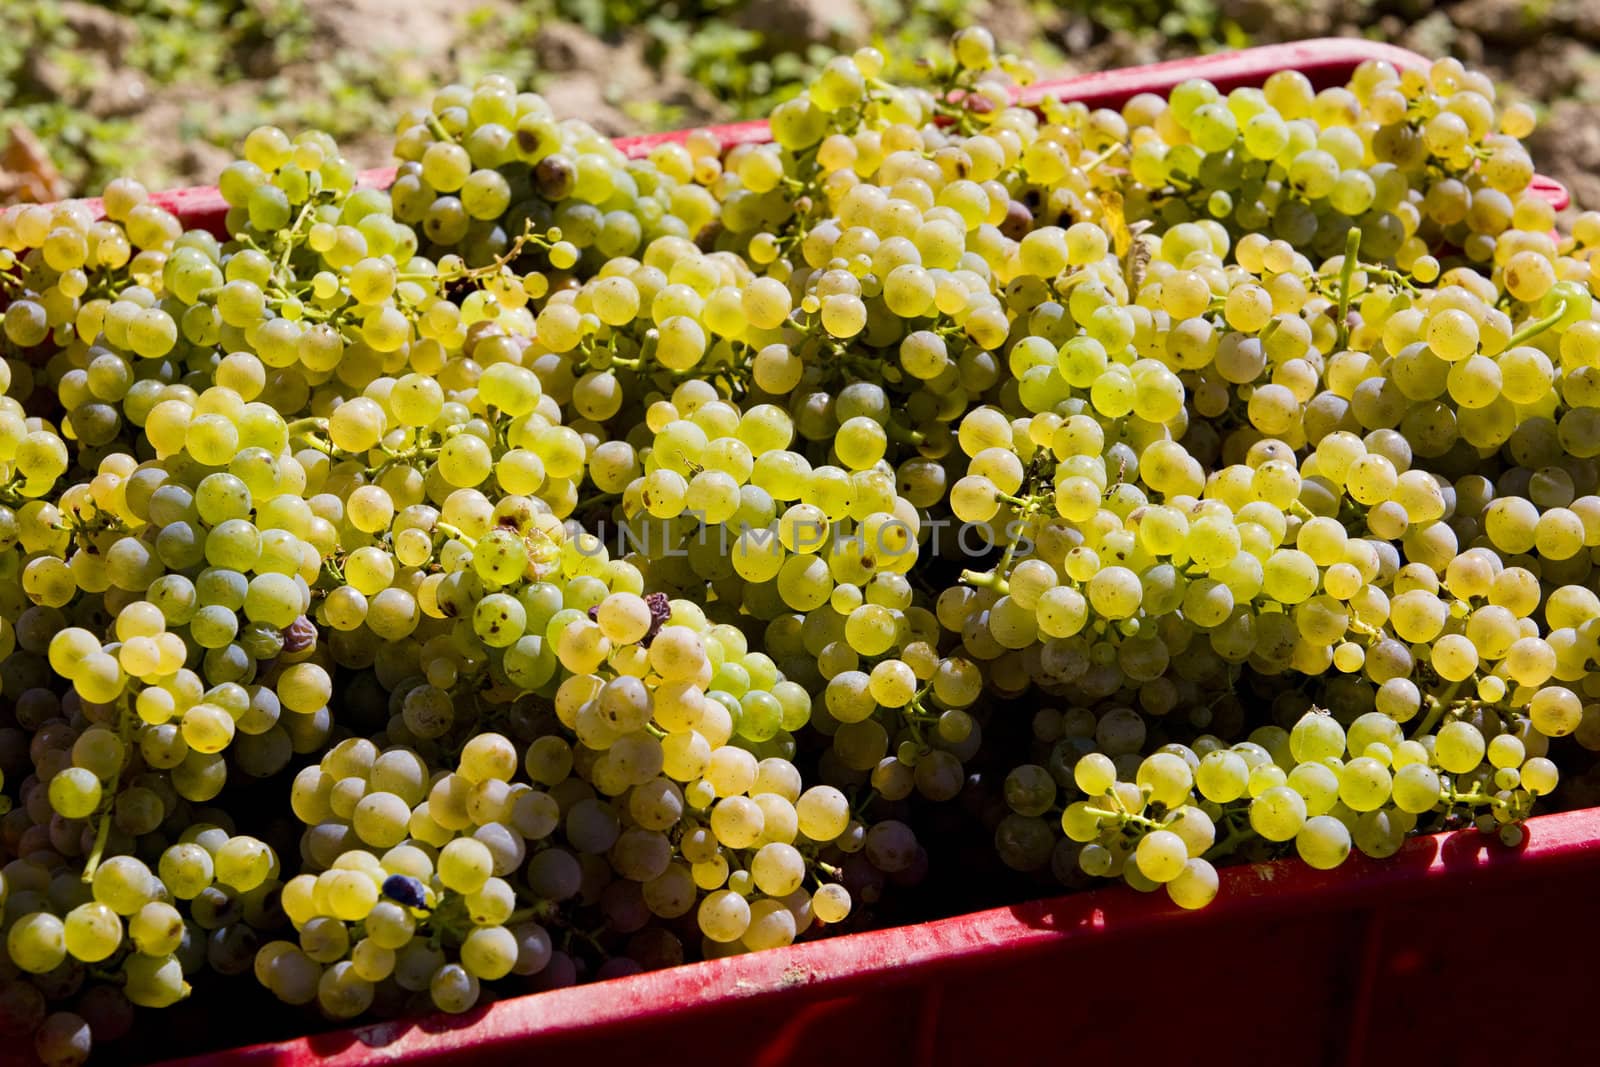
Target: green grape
(1161,856)
(75,793)
(1459,747)
(1194,887)
(1278,813)
(154,982)
(1323,842)
(92,932)
(36,942)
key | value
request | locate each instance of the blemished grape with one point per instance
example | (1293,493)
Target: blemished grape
(713,543)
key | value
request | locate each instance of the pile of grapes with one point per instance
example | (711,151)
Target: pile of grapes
(559,565)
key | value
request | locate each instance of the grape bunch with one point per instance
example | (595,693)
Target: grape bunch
(560,565)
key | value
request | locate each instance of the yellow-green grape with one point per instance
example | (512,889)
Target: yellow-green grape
(92,932)
(1195,886)
(1416,788)
(1161,855)
(724,916)
(831,903)
(1555,711)
(154,982)
(1539,776)
(1323,842)
(823,813)
(1458,747)
(1166,778)
(1318,784)
(37,942)
(75,793)
(243,863)
(1278,813)
(124,884)
(464,865)
(489,952)
(186,869)
(1364,784)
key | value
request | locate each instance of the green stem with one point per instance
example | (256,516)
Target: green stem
(1003,571)
(864,802)
(1236,837)
(1536,327)
(542,910)
(903,435)
(291,239)
(438,129)
(987,579)
(1101,158)
(451,531)
(103,831)
(1436,712)
(1472,799)
(1126,818)
(1352,246)
(99,849)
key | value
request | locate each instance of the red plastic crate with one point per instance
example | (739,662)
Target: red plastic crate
(1433,953)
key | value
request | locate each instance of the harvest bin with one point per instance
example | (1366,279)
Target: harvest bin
(1438,952)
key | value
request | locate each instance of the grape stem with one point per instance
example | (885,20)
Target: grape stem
(1436,711)
(312,431)
(438,128)
(1101,158)
(291,239)
(95,855)
(11,282)
(451,531)
(544,911)
(589,938)
(1125,818)
(103,831)
(986,580)
(495,266)
(1536,327)
(1236,837)
(864,802)
(904,435)
(1028,507)
(1472,799)
(914,713)
(1352,246)
(915,726)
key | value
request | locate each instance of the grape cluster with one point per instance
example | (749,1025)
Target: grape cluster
(559,565)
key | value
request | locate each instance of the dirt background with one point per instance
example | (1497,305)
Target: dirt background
(357,62)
